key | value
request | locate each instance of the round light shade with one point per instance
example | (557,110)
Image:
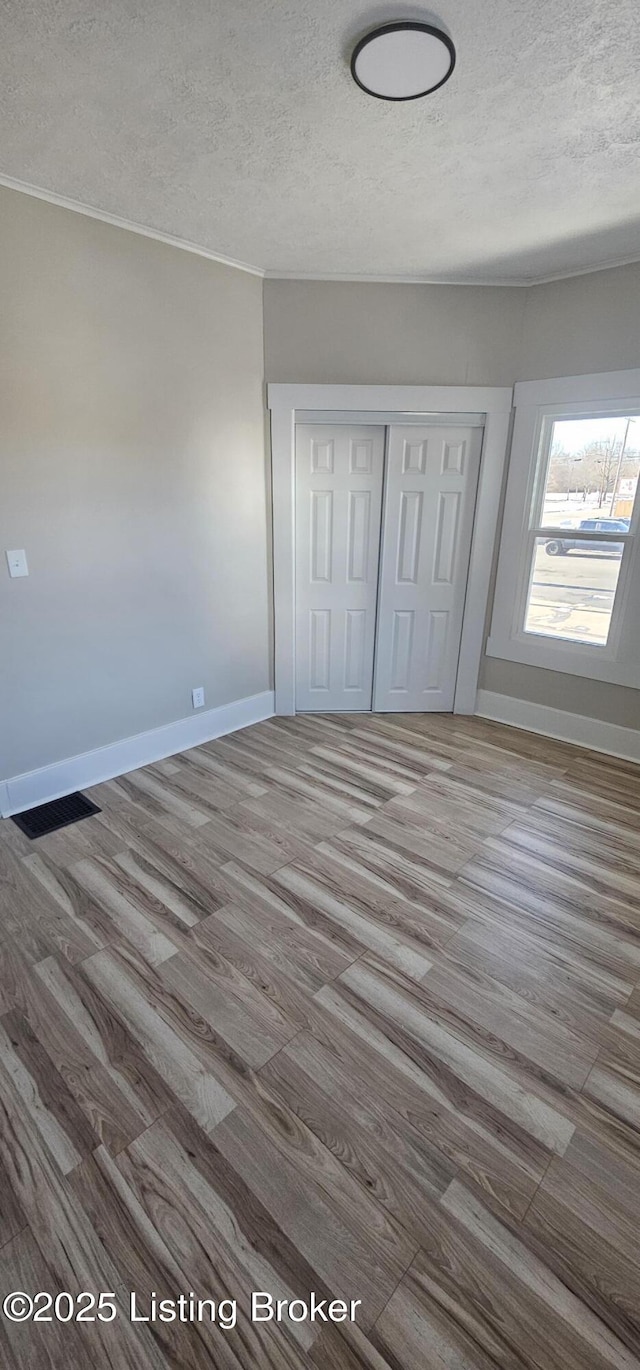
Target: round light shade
(403,61)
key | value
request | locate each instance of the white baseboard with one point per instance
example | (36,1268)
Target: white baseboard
(566,727)
(91,768)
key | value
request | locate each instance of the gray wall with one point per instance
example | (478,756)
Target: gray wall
(132,457)
(132,469)
(589,323)
(352,333)
(403,334)
(333,332)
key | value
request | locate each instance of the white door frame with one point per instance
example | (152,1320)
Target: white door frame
(399,404)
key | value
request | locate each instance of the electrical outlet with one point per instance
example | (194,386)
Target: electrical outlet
(17,563)
(197,697)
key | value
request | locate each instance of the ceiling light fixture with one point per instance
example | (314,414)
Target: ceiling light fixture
(403,61)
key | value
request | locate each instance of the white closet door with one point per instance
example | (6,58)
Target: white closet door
(338,507)
(432,475)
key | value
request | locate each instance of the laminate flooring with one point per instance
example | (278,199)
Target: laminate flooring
(346,1004)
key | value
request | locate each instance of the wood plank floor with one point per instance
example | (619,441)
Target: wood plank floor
(344,1004)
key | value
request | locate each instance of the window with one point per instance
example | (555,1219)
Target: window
(583,499)
(568,586)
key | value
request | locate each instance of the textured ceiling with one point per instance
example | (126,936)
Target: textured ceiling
(235,125)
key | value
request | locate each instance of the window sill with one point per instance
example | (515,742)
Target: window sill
(560,656)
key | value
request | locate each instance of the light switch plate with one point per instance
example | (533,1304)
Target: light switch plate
(17,563)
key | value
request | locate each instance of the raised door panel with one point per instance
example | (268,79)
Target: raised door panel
(401,648)
(321,540)
(355,675)
(358,536)
(339,470)
(432,476)
(448,521)
(319,648)
(409,536)
(321,452)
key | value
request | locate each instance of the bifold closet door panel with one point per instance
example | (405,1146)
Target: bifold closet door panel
(432,476)
(339,470)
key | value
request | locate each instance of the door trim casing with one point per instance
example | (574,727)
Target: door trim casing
(422,401)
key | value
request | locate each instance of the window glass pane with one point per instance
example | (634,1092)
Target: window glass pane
(592,471)
(572,588)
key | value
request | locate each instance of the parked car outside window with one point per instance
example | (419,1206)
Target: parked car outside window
(559,547)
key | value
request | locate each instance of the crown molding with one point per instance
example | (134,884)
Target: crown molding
(116,222)
(517,282)
(103,215)
(632,260)
(393,280)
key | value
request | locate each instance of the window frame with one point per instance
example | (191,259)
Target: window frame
(537,406)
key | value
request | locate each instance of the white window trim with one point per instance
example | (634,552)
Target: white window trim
(392,404)
(575,396)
